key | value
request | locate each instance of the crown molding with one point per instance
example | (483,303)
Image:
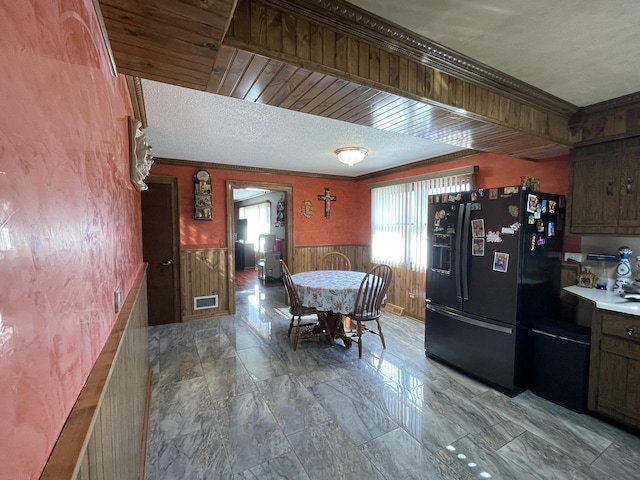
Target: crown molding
(242,168)
(422,163)
(269,171)
(353,21)
(613,105)
(134,85)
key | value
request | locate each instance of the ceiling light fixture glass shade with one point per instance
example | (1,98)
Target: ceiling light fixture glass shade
(351,155)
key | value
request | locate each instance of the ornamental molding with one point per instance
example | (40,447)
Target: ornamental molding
(353,21)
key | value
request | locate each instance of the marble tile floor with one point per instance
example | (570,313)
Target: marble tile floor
(232,400)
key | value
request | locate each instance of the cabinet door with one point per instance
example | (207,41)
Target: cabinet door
(595,188)
(629,217)
(612,386)
(617,362)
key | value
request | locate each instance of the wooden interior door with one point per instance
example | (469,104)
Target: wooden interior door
(160,248)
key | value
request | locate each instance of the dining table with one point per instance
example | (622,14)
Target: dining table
(331,292)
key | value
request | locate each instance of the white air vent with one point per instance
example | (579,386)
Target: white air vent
(202,303)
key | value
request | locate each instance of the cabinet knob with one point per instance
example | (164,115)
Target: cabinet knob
(167,263)
(629,331)
(629,186)
(610,188)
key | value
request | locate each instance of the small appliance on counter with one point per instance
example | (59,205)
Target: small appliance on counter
(603,259)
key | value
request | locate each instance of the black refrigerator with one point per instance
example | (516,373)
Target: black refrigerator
(493,267)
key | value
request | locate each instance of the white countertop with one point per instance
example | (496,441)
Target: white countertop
(606,300)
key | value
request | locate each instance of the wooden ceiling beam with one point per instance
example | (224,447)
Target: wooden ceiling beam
(294,33)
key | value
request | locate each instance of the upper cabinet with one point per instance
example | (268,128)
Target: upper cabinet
(603,188)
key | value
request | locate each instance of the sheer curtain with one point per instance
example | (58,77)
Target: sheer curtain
(399,217)
(258,220)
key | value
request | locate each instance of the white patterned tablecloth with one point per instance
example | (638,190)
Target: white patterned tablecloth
(328,290)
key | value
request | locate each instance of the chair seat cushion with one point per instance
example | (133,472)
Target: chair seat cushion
(302,311)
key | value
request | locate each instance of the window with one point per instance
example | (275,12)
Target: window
(399,216)
(258,220)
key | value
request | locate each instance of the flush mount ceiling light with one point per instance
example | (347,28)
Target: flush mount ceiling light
(351,155)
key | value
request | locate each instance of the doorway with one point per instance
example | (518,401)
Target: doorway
(287,253)
(160,248)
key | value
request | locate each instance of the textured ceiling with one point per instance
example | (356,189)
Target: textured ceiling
(191,125)
(581,51)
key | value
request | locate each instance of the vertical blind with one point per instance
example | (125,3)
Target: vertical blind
(399,216)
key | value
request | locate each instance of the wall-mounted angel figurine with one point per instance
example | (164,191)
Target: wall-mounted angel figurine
(141,159)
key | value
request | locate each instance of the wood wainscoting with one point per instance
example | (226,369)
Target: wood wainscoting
(105,435)
(204,272)
(307,258)
(407,289)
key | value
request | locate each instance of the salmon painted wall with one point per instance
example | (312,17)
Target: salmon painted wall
(348,223)
(69,218)
(494,171)
(499,170)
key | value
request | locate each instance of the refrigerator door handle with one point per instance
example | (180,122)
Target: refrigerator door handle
(464,252)
(458,245)
(471,321)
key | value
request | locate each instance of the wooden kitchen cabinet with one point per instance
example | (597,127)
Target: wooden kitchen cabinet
(614,374)
(604,188)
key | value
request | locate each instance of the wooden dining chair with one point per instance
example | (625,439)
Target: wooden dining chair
(334,261)
(297,311)
(368,306)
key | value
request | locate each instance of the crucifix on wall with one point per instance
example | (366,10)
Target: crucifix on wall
(327,198)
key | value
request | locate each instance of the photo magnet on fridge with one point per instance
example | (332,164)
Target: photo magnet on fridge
(543,206)
(493,194)
(513,210)
(540,226)
(478,247)
(474,196)
(551,229)
(552,206)
(500,262)
(477,227)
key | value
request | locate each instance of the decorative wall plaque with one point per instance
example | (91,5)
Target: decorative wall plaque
(202,196)
(307,209)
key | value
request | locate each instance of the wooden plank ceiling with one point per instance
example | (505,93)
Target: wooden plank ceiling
(267,56)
